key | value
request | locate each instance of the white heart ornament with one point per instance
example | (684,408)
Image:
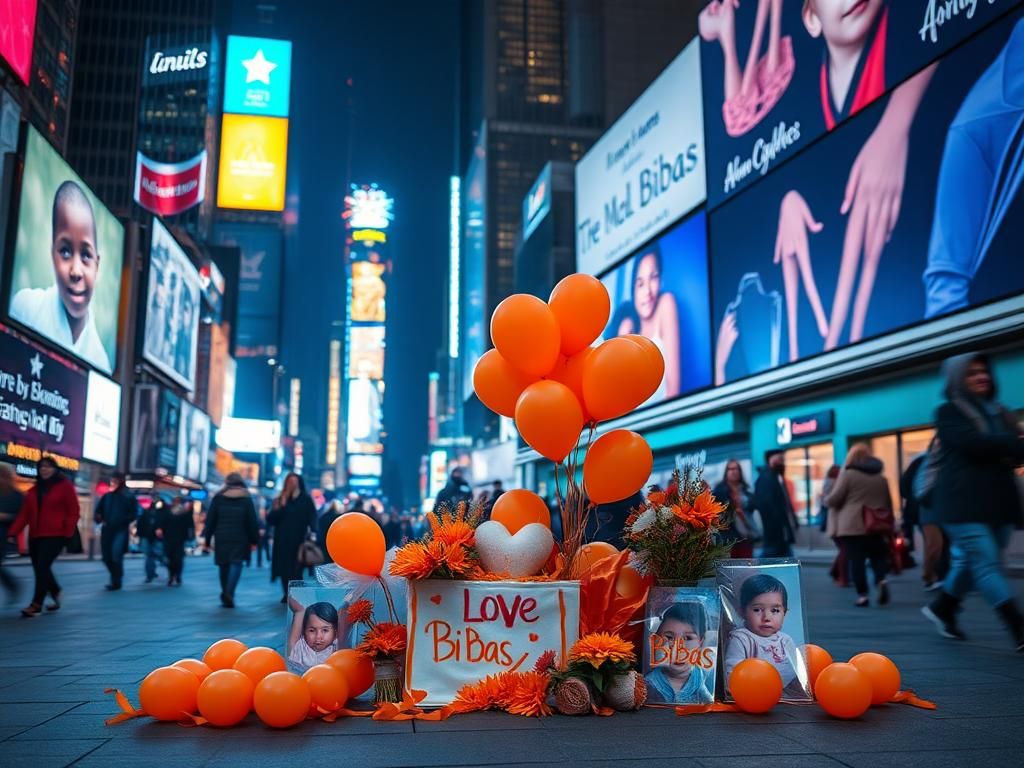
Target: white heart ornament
(521,555)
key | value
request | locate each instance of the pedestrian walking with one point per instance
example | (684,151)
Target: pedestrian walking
(975,497)
(263,546)
(331,513)
(860,517)
(293,518)
(232,527)
(10,504)
(840,570)
(455,492)
(174,528)
(935,558)
(735,493)
(145,529)
(50,512)
(116,512)
(773,503)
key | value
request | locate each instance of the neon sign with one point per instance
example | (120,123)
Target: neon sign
(368,207)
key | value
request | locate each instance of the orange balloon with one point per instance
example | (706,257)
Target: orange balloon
(169,693)
(591,554)
(550,419)
(755,685)
(225,697)
(327,686)
(282,699)
(882,673)
(843,691)
(224,653)
(524,330)
(357,669)
(817,659)
(517,508)
(498,384)
(259,662)
(630,584)
(619,376)
(356,543)
(195,666)
(581,305)
(653,354)
(618,464)
(569,371)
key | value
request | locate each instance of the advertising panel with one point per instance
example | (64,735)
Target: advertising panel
(775,80)
(253,163)
(172,309)
(937,228)
(155,419)
(259,286)
(167,189)
(646,171)
(42,402)
(18,25)
(102,420)
(369,292)
(368,466)
(249,435)
(257,76)
(662,292)
(193,443)
(66,281)
(365,420)
(537,203)
(474,286)
(366,352)
(175,63)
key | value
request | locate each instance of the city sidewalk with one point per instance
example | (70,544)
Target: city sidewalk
(53,670)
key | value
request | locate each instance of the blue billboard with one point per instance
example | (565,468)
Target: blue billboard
(258,76)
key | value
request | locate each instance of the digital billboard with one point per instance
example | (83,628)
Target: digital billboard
(253,162)
(102,420)
(17,34)
(646,171)
(932,224)
(367,466)
(249,435)
(365,420)
(661,292)
(537,203)
(156,416)
(257,76)
(66,280)
(474,262)
(366,352)
(193,443)
(259,285)
(775,80)
(172,309)
(167,189)
(368,292)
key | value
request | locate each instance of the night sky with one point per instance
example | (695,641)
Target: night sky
(401,57)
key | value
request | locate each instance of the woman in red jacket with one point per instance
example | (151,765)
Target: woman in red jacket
(50,510)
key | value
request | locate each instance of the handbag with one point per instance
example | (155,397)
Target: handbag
(309,554)
(879,521)
(73,543)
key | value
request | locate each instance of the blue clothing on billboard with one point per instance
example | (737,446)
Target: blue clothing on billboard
(981,174)
(696,690)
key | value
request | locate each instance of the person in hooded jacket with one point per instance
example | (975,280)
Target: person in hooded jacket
(232,527)
(861,484)
(456,491)
(975,498)
(50,512)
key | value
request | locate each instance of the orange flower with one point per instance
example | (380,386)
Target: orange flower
(598,647)
(455,533)
(707,508)
(475,697)
(384,639)
(529,695)
(360,612)
(413,561)
(657,498)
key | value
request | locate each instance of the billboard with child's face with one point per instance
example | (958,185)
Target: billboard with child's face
(779,74)
(66,278)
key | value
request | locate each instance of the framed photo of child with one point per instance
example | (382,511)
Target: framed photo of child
(681,648)
(316,625)
(763,617)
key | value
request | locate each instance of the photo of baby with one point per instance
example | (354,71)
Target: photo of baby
(764,619)
(316,625)
(681,649)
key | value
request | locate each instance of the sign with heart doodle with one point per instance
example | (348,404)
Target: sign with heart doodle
(462,631)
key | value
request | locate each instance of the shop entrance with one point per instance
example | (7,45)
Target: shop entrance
(806,468)
(896,450)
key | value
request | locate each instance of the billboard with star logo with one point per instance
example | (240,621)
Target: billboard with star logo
(258,76)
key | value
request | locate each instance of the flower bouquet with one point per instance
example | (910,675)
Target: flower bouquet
(599,674)
(385,644)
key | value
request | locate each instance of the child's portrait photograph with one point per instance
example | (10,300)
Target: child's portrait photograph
(681,645)
(316,625)
(66,279)
(763,618)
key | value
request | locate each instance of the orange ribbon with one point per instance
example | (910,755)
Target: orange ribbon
(913,700)
(128,710)
(700,709)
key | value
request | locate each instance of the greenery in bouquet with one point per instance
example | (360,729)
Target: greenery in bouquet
(676,534)
(447,550)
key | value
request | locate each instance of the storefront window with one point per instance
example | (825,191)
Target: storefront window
(806,468)
(896,451)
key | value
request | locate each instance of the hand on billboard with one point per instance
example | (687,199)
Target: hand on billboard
(792,251)
(727,336)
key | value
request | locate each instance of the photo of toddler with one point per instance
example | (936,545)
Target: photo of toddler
(681,652)
(316,627)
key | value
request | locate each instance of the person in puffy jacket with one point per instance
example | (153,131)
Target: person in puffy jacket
(232,527)
(50,512)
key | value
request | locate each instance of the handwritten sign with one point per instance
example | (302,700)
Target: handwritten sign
(462,631)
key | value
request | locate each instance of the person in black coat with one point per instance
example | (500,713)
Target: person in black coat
(116,511)
(772,500)
(293,517)
(10,505)
(976,499)
(331,513)
(174,528)
(606,522)
(456,491)
(231,524)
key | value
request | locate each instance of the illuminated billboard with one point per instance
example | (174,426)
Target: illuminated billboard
(366,352)
(257,76)
(368,207)
(369,466)
(253,162)
(17,33)
(368,292)
(364,422)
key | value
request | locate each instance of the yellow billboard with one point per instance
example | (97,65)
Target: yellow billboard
(368,292)
(253,161)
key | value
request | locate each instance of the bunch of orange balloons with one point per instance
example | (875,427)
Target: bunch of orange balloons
(233,680)
(544,373)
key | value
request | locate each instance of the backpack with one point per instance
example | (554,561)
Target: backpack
(928,474)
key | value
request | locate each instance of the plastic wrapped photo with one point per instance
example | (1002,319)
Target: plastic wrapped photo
(763,618)
(316,624)
(681,648)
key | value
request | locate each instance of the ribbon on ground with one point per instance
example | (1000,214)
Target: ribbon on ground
(913,700)
(701,709)
(128,710)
